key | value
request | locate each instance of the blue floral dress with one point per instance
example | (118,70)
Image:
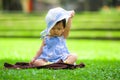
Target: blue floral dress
(54,49)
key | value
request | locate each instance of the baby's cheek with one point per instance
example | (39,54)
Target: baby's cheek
(62,31)
(51,32)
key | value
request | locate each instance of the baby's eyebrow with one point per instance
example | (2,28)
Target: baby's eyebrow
(53,27)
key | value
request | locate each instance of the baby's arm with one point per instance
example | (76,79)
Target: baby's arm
(38,53)
(68,25)
(67,29)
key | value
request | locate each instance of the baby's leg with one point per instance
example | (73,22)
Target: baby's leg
(39,62)
(71,59)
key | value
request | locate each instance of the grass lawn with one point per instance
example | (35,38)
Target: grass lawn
(101,59)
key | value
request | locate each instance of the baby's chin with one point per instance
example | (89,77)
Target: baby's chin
(56,35)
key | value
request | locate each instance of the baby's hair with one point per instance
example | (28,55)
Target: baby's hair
(63,21)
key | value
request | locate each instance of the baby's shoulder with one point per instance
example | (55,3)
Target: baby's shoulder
(46,37)
(62,37)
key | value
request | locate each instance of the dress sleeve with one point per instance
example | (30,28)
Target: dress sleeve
(45,39)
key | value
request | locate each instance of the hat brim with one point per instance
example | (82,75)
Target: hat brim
(65,16)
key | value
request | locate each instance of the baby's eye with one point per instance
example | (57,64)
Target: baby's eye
(53,28)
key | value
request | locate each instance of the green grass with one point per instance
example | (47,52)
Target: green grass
(101,59)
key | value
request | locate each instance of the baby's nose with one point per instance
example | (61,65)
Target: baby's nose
(56,30)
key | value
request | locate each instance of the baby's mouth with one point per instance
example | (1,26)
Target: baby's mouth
(56,35)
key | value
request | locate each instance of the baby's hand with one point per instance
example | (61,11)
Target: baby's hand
(32,61)
(72,14)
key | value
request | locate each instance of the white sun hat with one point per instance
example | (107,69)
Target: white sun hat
(53,16)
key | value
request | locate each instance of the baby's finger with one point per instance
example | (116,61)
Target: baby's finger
(73,13)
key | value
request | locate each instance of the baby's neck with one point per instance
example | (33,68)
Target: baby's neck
(53,36)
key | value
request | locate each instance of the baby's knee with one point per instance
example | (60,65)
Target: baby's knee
(74,56)
(39,62)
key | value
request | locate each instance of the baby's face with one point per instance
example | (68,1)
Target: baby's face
(57,30)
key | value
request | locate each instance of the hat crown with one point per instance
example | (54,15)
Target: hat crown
(54,14)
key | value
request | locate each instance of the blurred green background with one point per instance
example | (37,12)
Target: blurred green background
(86,25)
(93,20)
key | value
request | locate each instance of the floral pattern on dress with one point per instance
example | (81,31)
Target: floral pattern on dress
(55,49)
